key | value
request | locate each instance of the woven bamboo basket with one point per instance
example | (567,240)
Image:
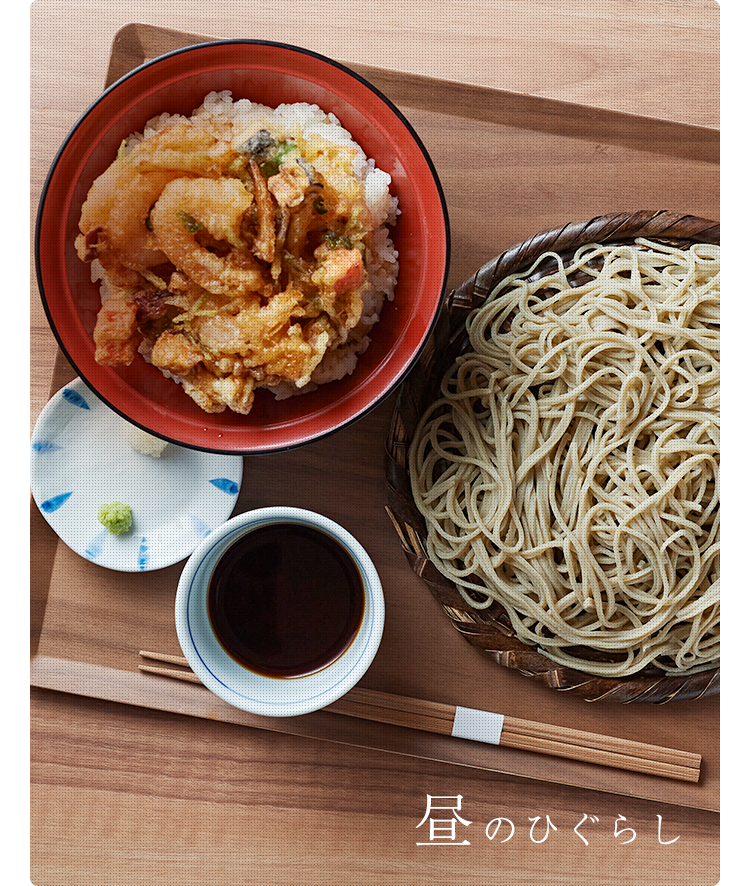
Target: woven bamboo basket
(490,629)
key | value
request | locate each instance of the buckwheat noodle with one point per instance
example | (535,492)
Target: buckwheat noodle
(570,468)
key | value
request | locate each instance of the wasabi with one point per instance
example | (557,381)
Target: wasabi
(117,517)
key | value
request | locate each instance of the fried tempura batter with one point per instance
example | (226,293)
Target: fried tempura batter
(230,267)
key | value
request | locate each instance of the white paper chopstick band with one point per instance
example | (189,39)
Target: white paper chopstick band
(477,725)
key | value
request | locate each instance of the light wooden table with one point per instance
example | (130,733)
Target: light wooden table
(125,795)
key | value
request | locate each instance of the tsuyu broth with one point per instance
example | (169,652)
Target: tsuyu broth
(286,600)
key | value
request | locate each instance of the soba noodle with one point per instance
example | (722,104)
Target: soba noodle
(570,469)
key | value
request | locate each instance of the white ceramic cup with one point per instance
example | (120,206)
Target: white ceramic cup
(248,689)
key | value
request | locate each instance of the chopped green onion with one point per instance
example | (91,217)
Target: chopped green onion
(153,279)
(192,225)
(337,240)
(273,164)
(237,169)
(193,312)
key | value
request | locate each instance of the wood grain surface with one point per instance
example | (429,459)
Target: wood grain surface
(127,794)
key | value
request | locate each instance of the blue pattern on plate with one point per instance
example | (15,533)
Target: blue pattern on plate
(228,486)
(95,548)
(52,504)
(76,411)
(201,528)
(75,398)
(143,554)
(45,446)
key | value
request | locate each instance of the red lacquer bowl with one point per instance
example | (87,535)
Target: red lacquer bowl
(271,74)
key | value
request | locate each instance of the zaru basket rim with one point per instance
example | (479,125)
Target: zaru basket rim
(490,630)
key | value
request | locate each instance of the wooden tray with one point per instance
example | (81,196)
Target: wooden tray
(533,164)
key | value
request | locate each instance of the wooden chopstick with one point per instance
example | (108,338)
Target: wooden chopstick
(527,735)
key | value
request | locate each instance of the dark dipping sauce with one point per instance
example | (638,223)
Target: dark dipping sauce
(286,600)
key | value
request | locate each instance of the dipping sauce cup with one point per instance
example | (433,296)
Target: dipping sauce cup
(279,611)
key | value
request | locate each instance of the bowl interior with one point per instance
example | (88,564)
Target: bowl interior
(270,74)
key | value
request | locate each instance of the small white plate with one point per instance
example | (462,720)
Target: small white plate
(80,461)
